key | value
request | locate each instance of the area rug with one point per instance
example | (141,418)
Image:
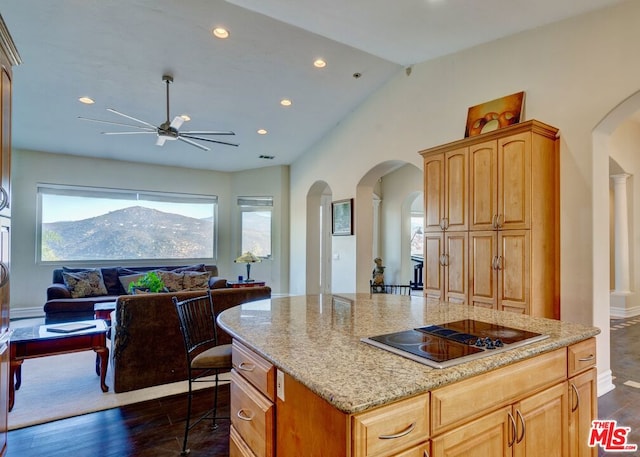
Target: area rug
(66,385)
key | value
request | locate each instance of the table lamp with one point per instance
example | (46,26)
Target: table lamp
(248,258)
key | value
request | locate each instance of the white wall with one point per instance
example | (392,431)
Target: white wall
(29,279)
(573,73)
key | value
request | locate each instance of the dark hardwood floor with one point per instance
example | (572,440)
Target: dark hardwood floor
(150,429)
(155,428)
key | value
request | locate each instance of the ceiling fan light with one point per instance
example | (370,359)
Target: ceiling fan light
(185,117)
(220,32)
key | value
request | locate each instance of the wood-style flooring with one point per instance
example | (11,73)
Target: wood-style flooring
(155,428)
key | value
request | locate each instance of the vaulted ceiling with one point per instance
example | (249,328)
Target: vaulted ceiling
(117,51)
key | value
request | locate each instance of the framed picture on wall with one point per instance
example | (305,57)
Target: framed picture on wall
(342,217)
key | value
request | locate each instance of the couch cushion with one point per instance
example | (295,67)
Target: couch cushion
(87,283)
(194,280)
(174,282)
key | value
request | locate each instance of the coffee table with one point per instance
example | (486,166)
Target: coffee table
(45,340)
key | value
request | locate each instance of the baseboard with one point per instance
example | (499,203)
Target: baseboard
(624,313)
(605,383)
(26,313)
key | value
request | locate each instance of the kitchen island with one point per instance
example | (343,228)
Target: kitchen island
(322,391)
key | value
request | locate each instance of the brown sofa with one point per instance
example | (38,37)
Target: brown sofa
(62,307)
(146,344)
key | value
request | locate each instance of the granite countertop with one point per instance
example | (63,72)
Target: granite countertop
(316,340)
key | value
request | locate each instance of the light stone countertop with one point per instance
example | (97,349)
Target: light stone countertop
(316,340)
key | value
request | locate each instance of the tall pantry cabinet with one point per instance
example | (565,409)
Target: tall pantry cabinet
(492,222)
(8,58)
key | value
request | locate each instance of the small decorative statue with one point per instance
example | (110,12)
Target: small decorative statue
(378,272)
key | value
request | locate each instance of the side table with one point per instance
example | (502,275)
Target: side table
(241,284)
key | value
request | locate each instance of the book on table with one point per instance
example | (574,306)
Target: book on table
(70,328)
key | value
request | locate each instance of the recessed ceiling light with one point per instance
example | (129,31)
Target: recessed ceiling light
(185,117)
(86,100)
(220,32)
(285,102)
(319,63)
(262,132)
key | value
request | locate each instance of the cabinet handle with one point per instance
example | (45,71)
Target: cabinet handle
(499,221)
(523,426)
(442,260)
(494,222)
(575,390)
(513,429)
(425,454)
(405,432)
(242,415)
(5,198)
(446,259)
(493,262)
(446,222)
(245,366)
(4,275)
(587,359)
(442,223)
(499,262)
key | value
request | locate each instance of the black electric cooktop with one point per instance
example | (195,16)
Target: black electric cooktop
(452,343)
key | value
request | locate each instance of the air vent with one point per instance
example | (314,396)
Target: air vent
(262,156)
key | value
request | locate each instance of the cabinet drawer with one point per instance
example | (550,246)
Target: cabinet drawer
(252,416)
(581,356)
(383,431)
(237,446)
(254,368)
(479,394)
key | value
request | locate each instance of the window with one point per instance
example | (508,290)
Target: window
(417,237)
(255,225)
(99,224)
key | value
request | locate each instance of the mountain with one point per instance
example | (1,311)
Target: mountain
(130,233)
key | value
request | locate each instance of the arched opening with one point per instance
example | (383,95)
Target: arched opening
(384,225)
(318,255)
(616,142)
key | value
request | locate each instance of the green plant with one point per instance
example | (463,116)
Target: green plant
(150,281)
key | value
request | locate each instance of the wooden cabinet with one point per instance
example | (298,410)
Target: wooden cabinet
(252,408)
(446,266)
(583,401)
(507,181)
(9,57)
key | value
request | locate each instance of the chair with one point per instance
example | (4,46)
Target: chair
(396,289)
(204,356)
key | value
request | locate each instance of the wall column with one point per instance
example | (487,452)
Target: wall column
(621,233)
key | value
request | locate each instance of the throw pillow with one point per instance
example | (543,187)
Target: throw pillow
(127,279)
(195,281)
(172,281)
(87,283)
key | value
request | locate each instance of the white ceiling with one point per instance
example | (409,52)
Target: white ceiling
(116,52)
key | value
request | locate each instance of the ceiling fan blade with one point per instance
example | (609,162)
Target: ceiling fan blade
(127,133)
(160,141)
(208,132)
(111,110)
(193,143)
(115,123)
(205,139)
(177,122)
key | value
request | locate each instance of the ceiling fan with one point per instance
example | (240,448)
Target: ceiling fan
(168,130)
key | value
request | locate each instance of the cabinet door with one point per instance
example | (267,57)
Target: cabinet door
(433,284)
(482,273)
(542,424)
(512,265)
(488,436)
(583,408)
(456,267)
(5,263)
(456,177)
(483,186)
(514,181)
(433,193)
